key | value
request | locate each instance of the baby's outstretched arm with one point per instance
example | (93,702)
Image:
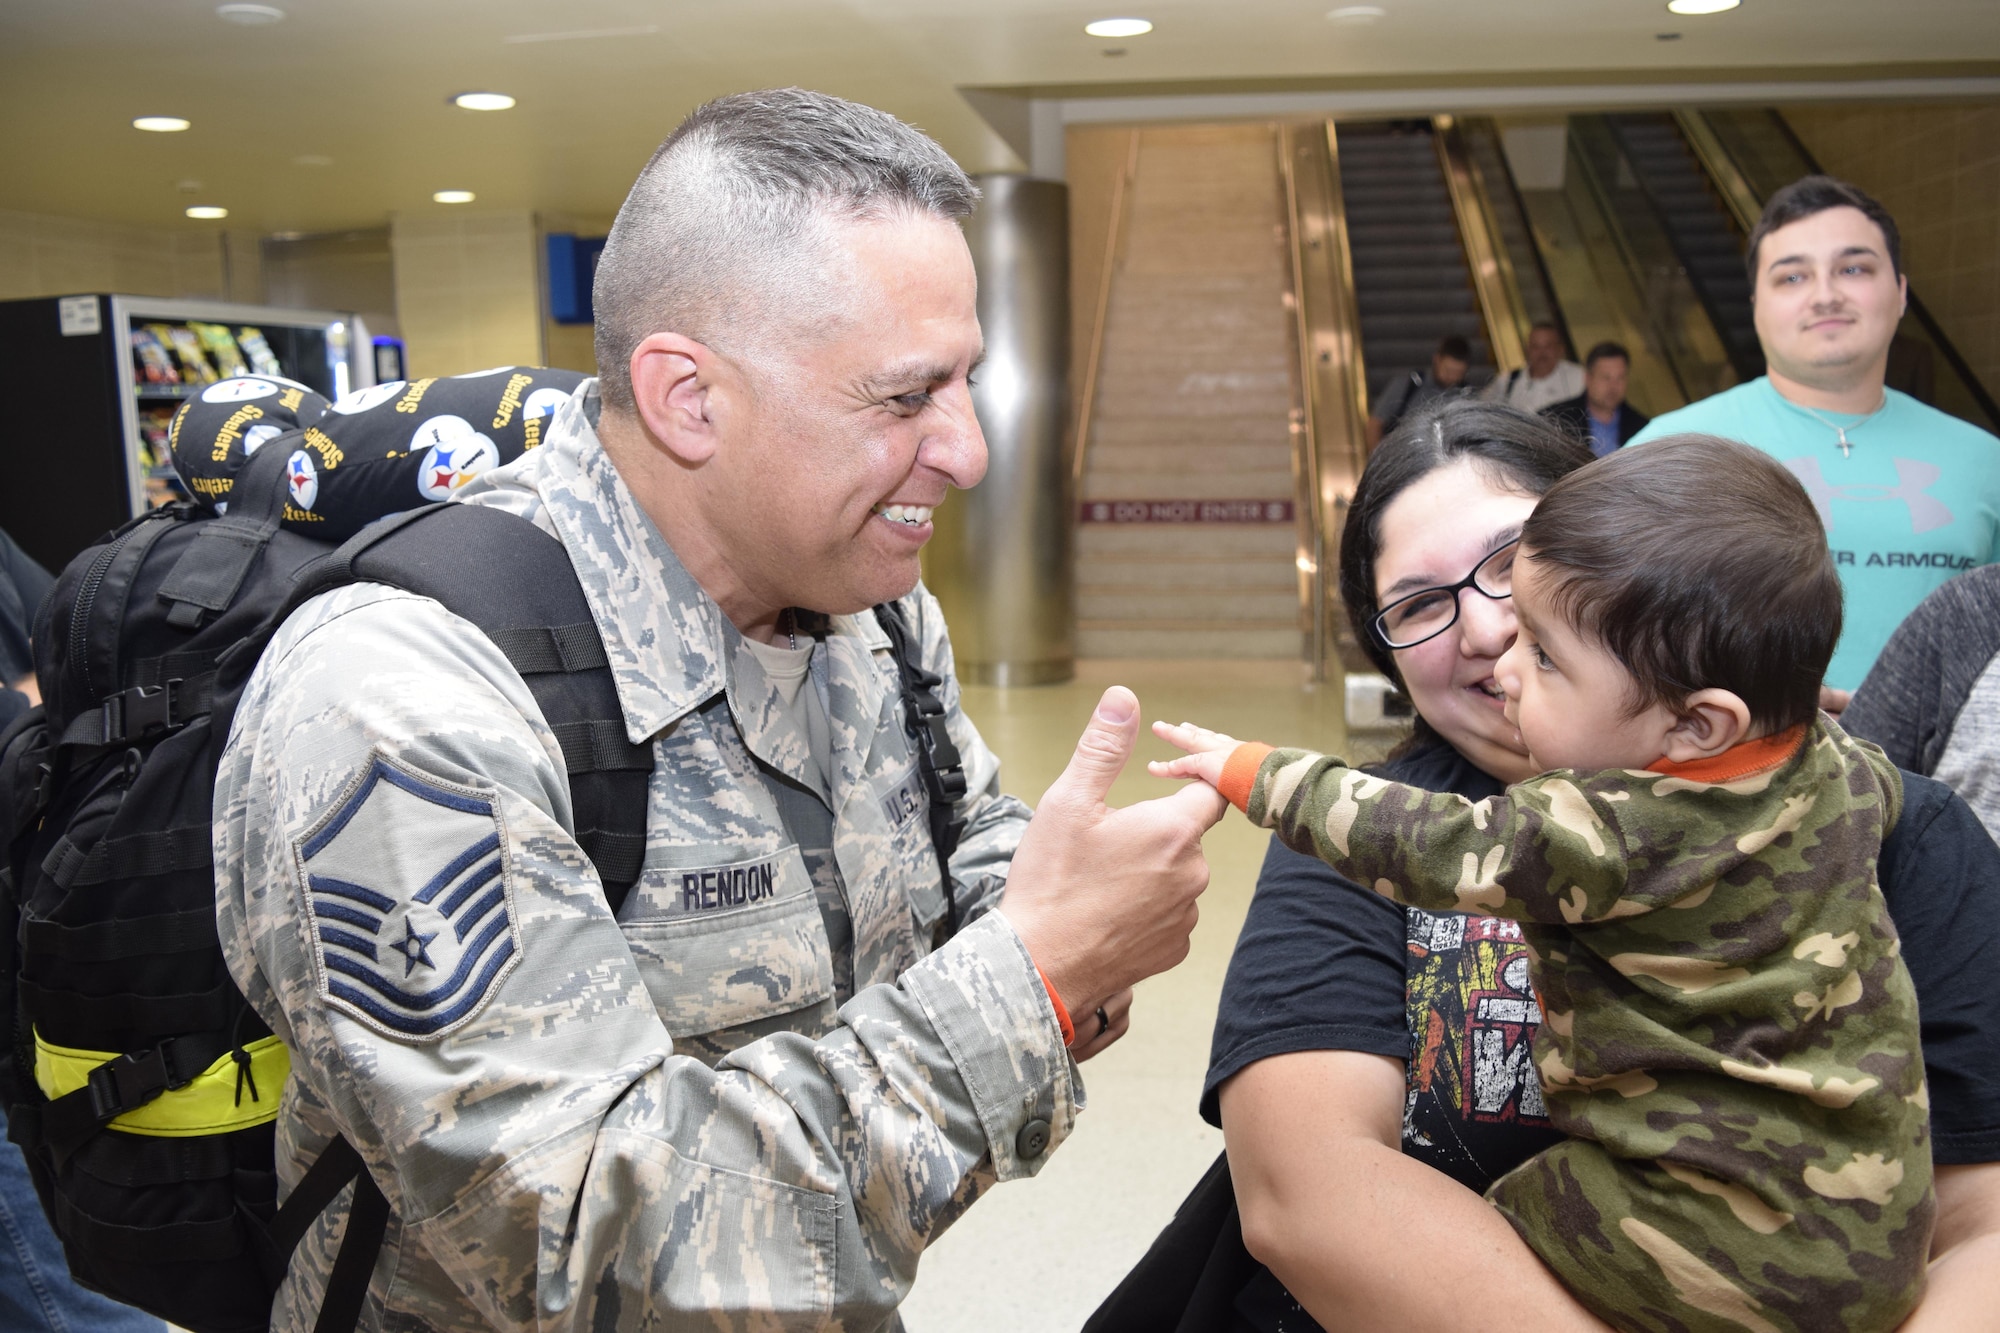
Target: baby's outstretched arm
(1544,851)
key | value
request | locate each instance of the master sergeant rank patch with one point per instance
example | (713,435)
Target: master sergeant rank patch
(407,893)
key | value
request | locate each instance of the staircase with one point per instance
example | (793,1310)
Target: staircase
(1193,404)
(1698,223)
(1410,280)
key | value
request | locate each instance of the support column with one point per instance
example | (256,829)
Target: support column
(1002,561)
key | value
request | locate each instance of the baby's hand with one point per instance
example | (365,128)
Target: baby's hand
(1207,752)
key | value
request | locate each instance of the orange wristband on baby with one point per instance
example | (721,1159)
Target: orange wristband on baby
(1062,1014)
(1239,773)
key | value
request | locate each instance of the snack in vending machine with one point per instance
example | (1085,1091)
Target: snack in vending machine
(156,364)
(255,346)
(221,348)
(194,364)
(155,460)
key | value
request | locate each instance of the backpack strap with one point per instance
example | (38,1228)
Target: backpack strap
(517,585)
(210,573)
(938,759)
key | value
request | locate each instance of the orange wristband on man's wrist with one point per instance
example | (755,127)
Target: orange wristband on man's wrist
(1062,1014)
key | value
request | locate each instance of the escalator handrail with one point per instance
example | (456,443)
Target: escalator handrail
(1493,280)
(1086,400)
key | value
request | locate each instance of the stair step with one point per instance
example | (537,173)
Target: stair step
(1215,605)
(1186,460)
(1237,484)
(1185,541)
(1194,640)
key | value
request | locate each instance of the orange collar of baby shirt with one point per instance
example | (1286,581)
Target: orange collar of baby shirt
(1738,761)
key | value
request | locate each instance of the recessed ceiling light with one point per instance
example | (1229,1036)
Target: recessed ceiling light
(483,101)
(1118,28)
(160,124)
(1356,14)
(312,160)
(1700,6)
(452,197)
(207,212)
(250,16)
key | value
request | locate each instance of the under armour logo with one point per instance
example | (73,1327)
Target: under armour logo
(1913,482)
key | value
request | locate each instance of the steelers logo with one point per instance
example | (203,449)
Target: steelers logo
(456,453)
(253,439)
(302,480)
(363,399)
(238,391)
(544,402)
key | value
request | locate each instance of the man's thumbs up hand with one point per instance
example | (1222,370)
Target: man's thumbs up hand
(1104,898)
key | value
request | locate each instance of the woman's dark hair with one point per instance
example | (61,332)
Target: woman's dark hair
(1515,450)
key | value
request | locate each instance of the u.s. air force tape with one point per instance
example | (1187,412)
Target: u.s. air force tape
(377,451)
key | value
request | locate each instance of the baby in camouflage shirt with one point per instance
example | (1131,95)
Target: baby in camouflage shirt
(1729,1035)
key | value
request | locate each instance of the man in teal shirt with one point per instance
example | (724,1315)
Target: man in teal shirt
(1910,496)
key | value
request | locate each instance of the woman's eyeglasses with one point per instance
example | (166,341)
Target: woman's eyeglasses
(1429,612)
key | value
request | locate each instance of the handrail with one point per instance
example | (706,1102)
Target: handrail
(1329,431)
(1087,398)
(1493,280)
(1727,177)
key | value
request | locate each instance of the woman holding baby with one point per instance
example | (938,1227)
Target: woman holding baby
(1370,1066)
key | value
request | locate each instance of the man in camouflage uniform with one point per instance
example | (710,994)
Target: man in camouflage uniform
(751,1099)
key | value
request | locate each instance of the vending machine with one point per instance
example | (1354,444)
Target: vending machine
(89,385)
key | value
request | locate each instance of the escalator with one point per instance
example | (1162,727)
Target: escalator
(1411,282)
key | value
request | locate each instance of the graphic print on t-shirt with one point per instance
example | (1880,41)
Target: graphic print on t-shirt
(1474,1098)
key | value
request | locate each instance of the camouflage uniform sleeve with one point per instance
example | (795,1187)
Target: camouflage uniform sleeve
(1548,850)
(993,820)
(540,1142)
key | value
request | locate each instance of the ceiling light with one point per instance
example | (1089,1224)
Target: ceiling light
(483,101)
(1356,14)
(250,16)
(160,124)
(452,197)
(207,212)
(1700,6)
(1118,28)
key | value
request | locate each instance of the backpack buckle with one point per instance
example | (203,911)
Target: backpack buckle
(130,1081)
(130,714)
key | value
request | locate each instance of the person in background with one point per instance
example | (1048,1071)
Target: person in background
(36,1290)
(1932,700)
(1600,416)
(1412,389)
(1909,495)
(1547,379)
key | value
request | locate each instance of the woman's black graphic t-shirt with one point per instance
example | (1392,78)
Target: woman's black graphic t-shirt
(1323,964)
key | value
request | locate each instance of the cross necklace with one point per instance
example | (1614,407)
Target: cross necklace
(1846,449)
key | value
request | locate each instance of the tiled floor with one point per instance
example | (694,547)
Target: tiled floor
(1037,1256)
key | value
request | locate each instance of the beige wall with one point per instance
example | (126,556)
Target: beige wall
(569,345)
(468,290)
(42,255)
(1937,168)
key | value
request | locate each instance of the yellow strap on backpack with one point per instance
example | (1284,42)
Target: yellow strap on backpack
(208,1105)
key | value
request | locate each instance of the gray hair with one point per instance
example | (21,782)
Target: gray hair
(730,215)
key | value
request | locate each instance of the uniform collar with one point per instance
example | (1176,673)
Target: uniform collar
(668,643)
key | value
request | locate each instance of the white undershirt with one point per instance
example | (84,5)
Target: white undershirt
(787,669)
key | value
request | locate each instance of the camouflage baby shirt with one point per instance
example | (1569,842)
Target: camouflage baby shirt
(1730,1035)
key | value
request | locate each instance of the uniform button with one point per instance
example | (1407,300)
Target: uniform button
(1033,1140)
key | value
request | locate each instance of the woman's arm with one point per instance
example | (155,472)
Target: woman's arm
(1964,1294)
(1357,1231)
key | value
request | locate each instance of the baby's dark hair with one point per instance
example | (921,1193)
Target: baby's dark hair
(1699,563)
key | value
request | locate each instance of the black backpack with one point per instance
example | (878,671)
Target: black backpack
(141,1086)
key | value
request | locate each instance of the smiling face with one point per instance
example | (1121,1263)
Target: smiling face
(1566,695)
(1432,535)
(833,448)
(1827,299)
